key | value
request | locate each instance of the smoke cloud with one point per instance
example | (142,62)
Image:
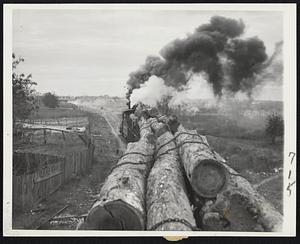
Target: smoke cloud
(246,58)
(273,68)
(151,92)
(230,64)
(154,90)
(271,78)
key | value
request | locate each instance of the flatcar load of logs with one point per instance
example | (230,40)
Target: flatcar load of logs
(168,207)
(172,180)
(121,204)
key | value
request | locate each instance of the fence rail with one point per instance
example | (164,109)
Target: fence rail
(36,176)
(24,134)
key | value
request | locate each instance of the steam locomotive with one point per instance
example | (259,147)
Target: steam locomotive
(129,128)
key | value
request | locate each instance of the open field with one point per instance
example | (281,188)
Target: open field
(52,113)
(232,119)
(248,155)
(102,103)
(65,110)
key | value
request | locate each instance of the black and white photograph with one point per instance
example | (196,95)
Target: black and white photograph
(175,119)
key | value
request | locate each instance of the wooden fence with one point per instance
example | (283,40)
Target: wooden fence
(36,176)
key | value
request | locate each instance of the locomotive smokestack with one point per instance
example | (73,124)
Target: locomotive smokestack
(128,103)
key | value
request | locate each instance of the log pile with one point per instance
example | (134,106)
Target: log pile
(148,187)
(231,203)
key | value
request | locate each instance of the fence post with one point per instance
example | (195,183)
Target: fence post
(63,134)
(64,169)
(45,142)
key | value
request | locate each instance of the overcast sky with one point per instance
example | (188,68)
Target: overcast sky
(91,52)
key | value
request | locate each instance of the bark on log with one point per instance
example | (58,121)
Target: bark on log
(168,207)
(238,206)
(242,208)
(121,204)
(206,174)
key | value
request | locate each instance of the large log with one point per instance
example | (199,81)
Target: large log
(240,208)
(121,203)
(168,207)
(205,172)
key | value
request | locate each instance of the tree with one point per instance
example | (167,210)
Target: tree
(274,127)
(24,101)
(50,100)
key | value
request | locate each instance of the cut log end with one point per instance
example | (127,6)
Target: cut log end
(115,215)
(209,178)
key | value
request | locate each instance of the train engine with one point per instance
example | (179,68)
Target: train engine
(129,128)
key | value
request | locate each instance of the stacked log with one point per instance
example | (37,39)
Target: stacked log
(206,174)
(121,204)
(168,207)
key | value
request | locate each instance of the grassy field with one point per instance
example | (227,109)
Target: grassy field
(231,119)
(251,155)
(65,110)
(244,148)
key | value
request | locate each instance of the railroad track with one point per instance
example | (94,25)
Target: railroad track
(109,120)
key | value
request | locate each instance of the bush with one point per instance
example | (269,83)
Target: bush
(24,98)
(274,127)
(50,100)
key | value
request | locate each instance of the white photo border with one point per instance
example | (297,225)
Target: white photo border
(289,99)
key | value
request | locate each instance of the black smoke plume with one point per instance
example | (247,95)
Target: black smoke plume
(246,59)
(201,51)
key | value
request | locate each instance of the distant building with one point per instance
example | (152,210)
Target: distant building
(66,98)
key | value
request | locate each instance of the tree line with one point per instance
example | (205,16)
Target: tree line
(25,98)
